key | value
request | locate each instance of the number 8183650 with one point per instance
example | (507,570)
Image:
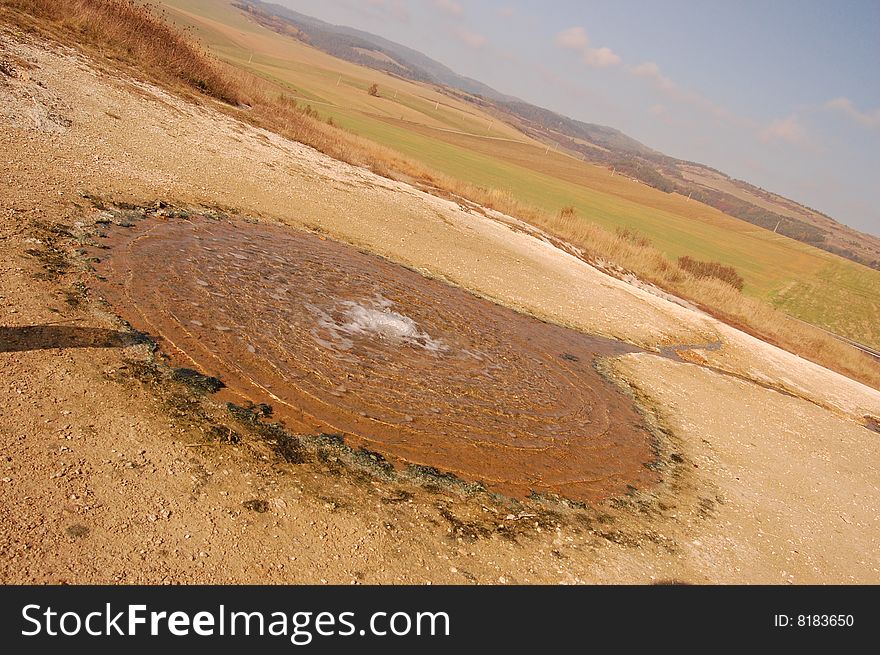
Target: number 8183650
(824,620)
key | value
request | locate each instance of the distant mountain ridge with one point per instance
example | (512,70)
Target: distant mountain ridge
(346,43)
(599,144)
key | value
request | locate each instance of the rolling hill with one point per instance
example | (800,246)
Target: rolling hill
(596,143)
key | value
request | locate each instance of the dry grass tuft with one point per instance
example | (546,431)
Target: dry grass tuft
(137,35)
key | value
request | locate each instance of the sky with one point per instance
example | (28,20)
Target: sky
(782,94)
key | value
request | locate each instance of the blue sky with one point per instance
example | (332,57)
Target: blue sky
(783,94)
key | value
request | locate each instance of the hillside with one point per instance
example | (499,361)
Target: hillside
(596,143)
(364,48)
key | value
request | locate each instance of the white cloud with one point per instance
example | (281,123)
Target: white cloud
(646,69)
(869,119)
(601,57)
(471,39)
(450,7)
(651,71)
(788,129)
(575,38)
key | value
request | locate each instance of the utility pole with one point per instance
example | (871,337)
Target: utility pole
(777,226)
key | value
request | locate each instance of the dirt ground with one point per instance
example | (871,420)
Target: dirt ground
(110,472)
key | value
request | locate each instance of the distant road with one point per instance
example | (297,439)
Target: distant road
(855,344)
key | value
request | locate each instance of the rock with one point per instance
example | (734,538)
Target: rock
(256,505)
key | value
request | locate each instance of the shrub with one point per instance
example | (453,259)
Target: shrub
(715,270)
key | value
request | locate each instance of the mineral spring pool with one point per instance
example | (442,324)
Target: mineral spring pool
(340,341)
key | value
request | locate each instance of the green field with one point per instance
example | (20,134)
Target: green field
(457,139)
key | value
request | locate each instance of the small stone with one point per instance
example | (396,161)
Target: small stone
(256,505)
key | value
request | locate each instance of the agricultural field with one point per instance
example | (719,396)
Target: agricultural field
(458,139)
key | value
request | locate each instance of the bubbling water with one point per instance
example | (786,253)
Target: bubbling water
(340,341)
(372,318)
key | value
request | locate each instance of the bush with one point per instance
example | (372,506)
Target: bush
(715,270)
(373,90)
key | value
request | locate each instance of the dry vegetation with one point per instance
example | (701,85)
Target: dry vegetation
(717,297)
(137,35)
(714,270)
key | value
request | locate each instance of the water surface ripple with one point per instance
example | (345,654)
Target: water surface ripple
(341,341)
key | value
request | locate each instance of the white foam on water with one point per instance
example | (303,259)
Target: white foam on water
(372,318)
